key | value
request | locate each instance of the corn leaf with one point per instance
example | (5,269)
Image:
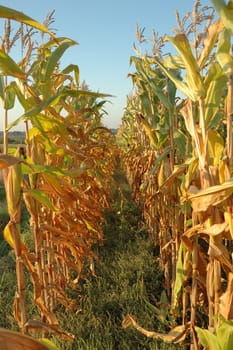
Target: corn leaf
(9,67)
(215,83)
(226,310)
(211,196)
(50,345)
(176,335)
(179,273)
(18,341)
(2,88)
(25,103)
(194,79)
(209,42)
(9,99)
(225,13)
(177,80)
(8,236)
(41,197)
(8,160)
(223,54)
(215,146)
(208,339)
(55,57)
(166,185)
(73,68)
(6,12)
(174,62)
(228,220)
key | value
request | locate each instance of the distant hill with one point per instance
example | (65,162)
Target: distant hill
(14,137)
(114,131)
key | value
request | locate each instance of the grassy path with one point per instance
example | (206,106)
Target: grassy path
(128,280)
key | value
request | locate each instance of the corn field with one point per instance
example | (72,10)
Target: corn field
(176,144)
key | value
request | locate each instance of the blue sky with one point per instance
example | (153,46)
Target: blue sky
(105,31)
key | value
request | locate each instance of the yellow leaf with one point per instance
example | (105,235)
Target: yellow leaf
(8,236)
(228,220)
(211,196)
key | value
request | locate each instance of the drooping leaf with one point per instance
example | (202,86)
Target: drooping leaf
(176,335)
(177,80)
(9,67)
(225,12)
(215,83)
(194,79)
(72,68)
(50,345)
(223,54)
(18,341)
(166,186)
(179,273)
(8,160)
(208,339)
(173,62)
(8,236)
(211,196)
(209,42)
(41,198)
(6,12)
(55,57)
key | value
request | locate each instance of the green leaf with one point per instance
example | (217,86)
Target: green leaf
(224,334)
(50,345)
(215,83)
(208,339)
(177,80)
(2,88)
(78,93)
(25,103)
(179,273)
(55,57)
(9,67)
(180,141)
(41,198)
(9,97)
(73,68)
(173,62)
